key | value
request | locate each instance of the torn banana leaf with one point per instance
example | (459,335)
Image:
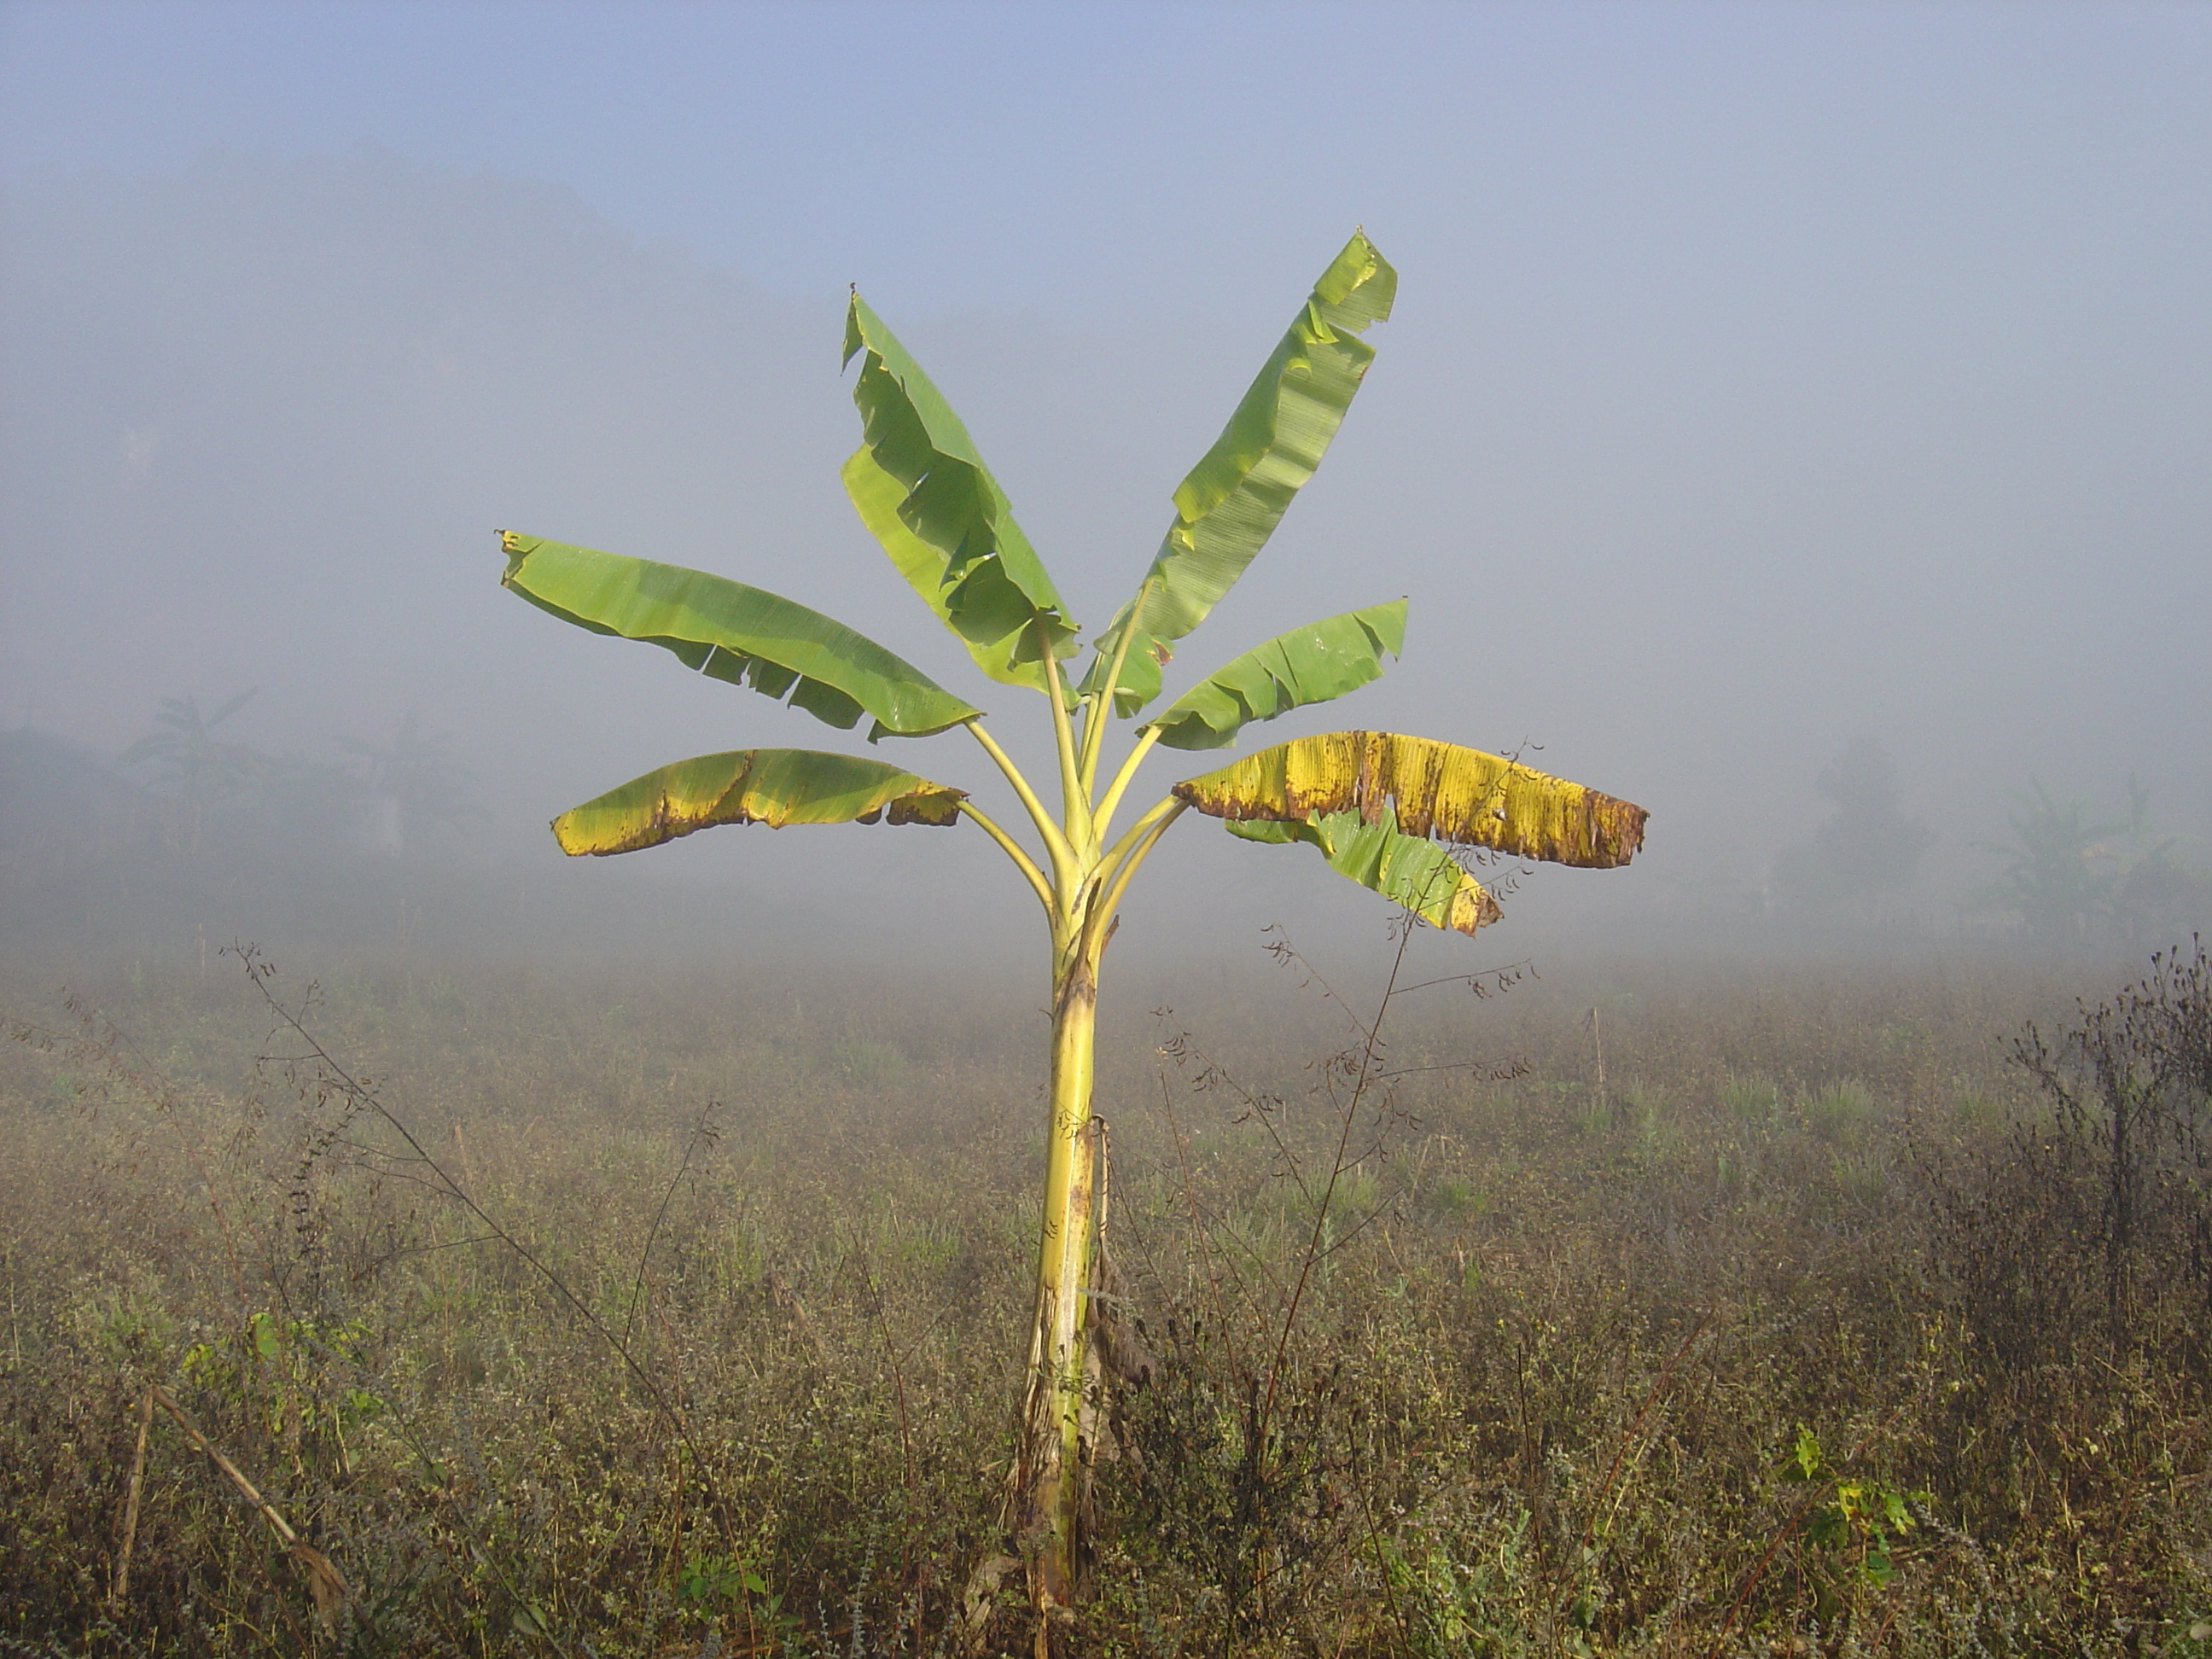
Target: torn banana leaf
(1418,874)
(1439,791)
(920,485)
(775,786)
(1309,665)
(1234,498)
(741,634)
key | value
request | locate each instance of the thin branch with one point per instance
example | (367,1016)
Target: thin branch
(1621,1452)
(703,1130)
(1503,1072)
(246,1489)
(259,971)
(1223,1322)
(1526,964)
(120,1586)
(1374,1035)
(1285,953)
(1261,1108)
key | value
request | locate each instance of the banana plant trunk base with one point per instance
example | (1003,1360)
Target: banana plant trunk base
(1051,1465)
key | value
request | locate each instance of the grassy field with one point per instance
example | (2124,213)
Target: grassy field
(1808,1329)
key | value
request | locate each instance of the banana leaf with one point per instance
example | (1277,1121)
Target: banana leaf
(1309,665)
(918,483)
(1436,790)
(775,786)
(1233,499)
(1418,874)
(741,634)
(993,609)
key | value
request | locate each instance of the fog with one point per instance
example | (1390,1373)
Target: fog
(1761,380)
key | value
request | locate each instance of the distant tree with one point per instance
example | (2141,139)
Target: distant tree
(2069,879)
(2159,894)
(2056,879)
(202,770)
(1868,847)
(414,787)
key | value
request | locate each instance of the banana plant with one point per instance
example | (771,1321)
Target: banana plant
(1387,811)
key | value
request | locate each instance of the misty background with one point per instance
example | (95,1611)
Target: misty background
(1796,420)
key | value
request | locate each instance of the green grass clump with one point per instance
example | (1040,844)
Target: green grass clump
(1755,1102)
(1841,1111)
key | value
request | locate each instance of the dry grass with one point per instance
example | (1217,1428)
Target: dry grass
(1543,1391)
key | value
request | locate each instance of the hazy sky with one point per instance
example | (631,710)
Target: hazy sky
(1763,375)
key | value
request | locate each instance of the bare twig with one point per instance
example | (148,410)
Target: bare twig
(334,1076)
(1372,1047)
(324,1581)
(121,1586)
(702,1133)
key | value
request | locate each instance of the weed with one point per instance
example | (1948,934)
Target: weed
(1430,1370)
(1755,1102)
(1840,1112)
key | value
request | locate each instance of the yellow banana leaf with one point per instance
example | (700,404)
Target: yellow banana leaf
(775,786)
(724,628)
(920,485)
(1234,498)
(1437,790)
(1418,874)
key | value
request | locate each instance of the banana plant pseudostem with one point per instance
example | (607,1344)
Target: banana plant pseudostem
(1385,810)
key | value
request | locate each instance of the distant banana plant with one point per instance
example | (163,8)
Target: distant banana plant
(203,768)
(1384,809)
(414,784)
(2068,877)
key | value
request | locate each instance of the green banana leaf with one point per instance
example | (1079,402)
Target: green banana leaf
(956,542)
(1234,498)
(775,786)
(1309,665)
(735,633)
(1404,869)
(993,609)
(1437,790)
